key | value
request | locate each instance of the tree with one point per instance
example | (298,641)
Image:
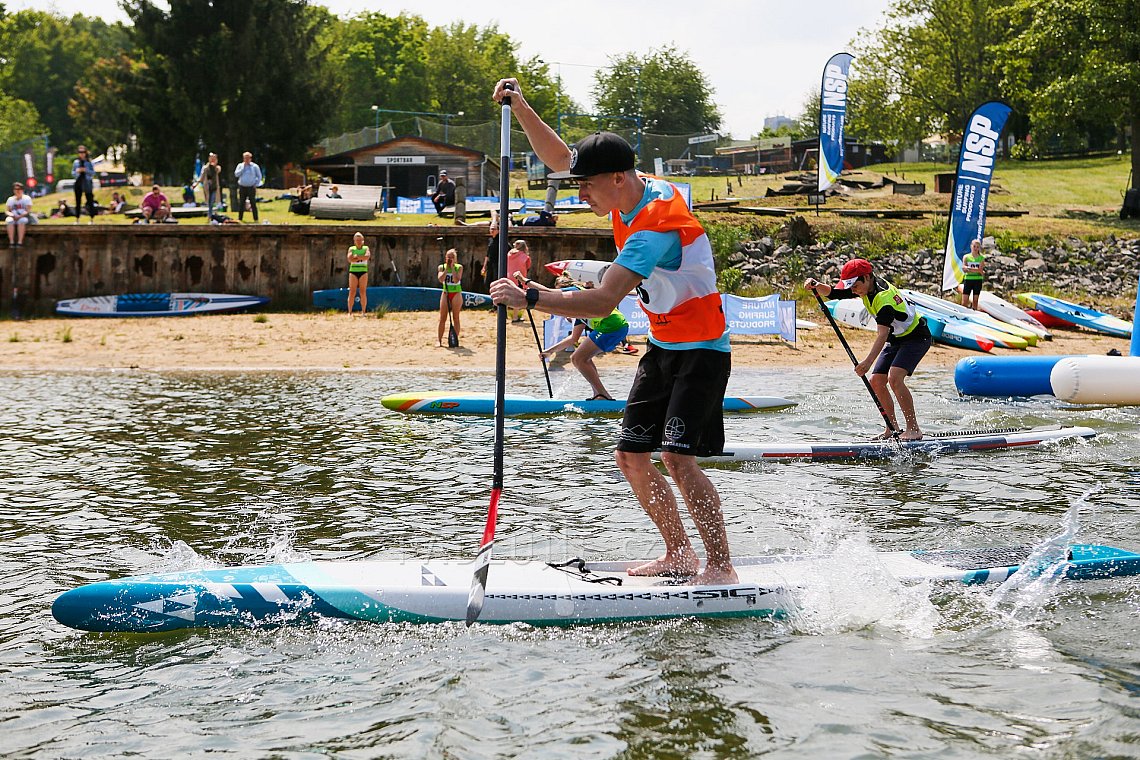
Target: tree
(379,61)
(227,77)
(1076,66)
(45,55)
(927,68)
(664,88)
(19,121)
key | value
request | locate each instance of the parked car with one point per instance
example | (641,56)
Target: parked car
(65,185)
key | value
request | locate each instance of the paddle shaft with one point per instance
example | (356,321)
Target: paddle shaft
(854,361)
(483,559)
(538,342)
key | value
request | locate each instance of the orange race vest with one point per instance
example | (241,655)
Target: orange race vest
(683,306)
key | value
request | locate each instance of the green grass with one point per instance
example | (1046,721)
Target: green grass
(261,318)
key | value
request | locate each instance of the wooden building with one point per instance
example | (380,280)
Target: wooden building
(409,166)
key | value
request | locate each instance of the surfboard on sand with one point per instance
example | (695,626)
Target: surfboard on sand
(1079,315)
(937,443)
(157,304)
(482,404)
(576,592)
(395,298)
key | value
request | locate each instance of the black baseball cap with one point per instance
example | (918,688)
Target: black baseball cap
(600,153)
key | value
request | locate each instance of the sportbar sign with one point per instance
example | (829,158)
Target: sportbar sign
(972,188)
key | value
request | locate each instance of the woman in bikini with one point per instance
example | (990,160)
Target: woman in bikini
(451,299)
(358,258)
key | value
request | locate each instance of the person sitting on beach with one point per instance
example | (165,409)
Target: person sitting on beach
(118,204)
(155,206)
(605,335)
(973,265)
(19,208)
(451,299)
(61,210)
(358,258)
(900,343)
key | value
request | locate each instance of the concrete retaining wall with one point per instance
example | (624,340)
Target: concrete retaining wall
(284,262)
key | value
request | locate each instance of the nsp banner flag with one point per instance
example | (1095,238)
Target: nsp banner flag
(832,111)
(972,186)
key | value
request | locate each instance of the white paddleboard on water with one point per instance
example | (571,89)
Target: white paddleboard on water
(938,443)
(575,593)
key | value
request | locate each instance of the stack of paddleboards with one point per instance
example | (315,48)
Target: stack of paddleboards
(157,305)
(395,298)
(976,324)
(1075,314)
(483,404)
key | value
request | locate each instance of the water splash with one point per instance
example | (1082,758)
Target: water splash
(852,589)
(1023,597)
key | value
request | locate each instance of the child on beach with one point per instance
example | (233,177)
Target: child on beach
(902,339)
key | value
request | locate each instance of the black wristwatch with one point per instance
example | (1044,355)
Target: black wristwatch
(531,298)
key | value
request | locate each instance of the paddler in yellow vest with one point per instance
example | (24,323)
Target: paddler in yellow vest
(676,402)
(900,343)
(605,334)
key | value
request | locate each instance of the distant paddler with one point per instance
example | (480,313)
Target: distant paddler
(605,334)
(901,340)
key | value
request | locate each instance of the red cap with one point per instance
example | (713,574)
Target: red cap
(852,271)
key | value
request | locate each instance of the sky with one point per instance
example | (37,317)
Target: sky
(762,57)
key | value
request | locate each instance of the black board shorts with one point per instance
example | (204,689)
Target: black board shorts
(971,287)
(677,402)
(905,353)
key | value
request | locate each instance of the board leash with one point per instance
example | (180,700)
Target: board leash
(483,559)
(855,362)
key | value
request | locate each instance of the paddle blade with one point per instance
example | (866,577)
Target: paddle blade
(452,338)
(483,561)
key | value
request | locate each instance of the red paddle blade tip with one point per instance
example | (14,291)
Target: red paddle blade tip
(557,267)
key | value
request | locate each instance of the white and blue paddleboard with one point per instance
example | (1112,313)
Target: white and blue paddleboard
(1078,315)
(574,593)
(482,404)
(395,298)
(937,443)
(157,304)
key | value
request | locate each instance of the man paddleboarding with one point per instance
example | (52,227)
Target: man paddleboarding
(676,400)
(901,340)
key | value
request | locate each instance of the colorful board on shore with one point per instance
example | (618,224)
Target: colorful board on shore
(939,443)
(572,593)
(157,305)
(1002,310)
(483,404)
(1078,315)
(395,298)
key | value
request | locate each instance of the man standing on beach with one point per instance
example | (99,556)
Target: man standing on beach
(676,402)
(248,176)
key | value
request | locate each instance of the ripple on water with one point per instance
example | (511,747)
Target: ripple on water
(165,471)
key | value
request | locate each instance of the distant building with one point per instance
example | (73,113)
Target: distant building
(783,154)
(408,166)
(775,122)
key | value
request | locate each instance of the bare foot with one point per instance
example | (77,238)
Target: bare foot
(716,577)
(911,435)
(886,435)
(679,567)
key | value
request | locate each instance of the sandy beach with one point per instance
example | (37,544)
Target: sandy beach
(398,339)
